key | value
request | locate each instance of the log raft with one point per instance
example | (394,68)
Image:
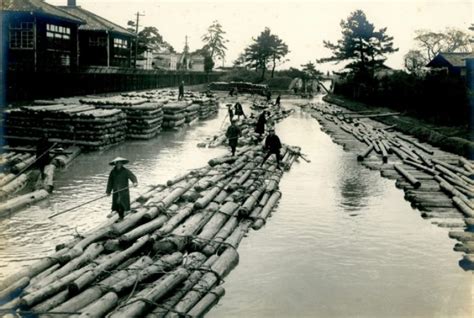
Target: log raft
(135,267)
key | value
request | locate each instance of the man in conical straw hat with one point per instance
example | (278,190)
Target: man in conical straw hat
(118,186)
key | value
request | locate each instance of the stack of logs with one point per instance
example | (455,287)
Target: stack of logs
(242,87)
(81,125)
(433,183)
(168,257)
(144,117)
(175,114)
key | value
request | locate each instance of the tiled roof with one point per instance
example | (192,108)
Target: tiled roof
(38,6)
(95,22)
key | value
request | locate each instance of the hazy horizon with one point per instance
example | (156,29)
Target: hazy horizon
(303,25)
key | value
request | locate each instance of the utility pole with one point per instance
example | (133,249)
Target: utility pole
(136,37)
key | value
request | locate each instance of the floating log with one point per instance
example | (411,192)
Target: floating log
(13,186)
(416,144)
(266,210)
(22,201)
(206,303)
(411,179)
(462,236)
(461,205)
(420,167)
(383,151)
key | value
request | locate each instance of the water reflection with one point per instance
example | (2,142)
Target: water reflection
(353,189)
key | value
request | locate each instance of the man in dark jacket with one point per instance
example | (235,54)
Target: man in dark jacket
(233,133)
(239,111)
(118,185)
(277,102)
(42,153)
(260,126)
(272,146)
(181,91)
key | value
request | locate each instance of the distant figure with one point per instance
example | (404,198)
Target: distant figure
(233,133)
(277,102)
(42,153)
(231,93)
(181,91)
(295,90)
(236,91)
(260,126)
(239,111)
(231,113)
(273,146)
(269,96)
(118,185)
(318,89)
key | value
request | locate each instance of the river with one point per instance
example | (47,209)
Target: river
(342,243)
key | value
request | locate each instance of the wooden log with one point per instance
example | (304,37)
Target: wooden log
(214,224)
(137,307)
(411,179)
(53,288)
(143,229)
(7,178)
(399,153)
(171,198)
(420,167)
(179,238)
(251,201)
(416,144)
(463,207)
(207,302)
(223,265)
(466,180)
(228,228)
(14,289)
(88,277)
(210,195)
(162,265)
(22,201)
(452,168)
(364,155)
(266,210)
(452,191)
(52,302)
(89,254)
(14,186)
(100,307)
(462,236)
(187,286)
(383,151)
(42,275)
(173,222)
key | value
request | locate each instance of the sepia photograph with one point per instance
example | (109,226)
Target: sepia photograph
(225,158)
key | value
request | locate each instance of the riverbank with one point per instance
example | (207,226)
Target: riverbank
(452,139)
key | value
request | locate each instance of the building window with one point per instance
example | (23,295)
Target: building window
(121,44)
(58,32)
(99,41)
(65,60)
(22,36)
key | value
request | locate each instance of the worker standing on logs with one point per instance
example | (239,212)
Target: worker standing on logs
(118,186)
(42,153)
(277,102)
(181,91)
(233,133)
(239,111)
(272,146)
(260,126)
(231,113)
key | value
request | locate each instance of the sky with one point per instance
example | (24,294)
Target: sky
(303,25)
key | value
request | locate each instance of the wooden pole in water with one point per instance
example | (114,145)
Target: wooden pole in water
(206,303)
(411,179)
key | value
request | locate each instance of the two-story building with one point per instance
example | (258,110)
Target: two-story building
(101,42)
(39,36)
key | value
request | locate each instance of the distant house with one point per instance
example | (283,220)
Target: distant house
(39,36)
(454,63)
(101,42)
(171,61)
(145,61)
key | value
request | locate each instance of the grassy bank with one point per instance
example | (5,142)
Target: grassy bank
(453,139)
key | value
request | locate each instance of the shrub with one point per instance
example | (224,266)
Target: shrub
(280,83)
